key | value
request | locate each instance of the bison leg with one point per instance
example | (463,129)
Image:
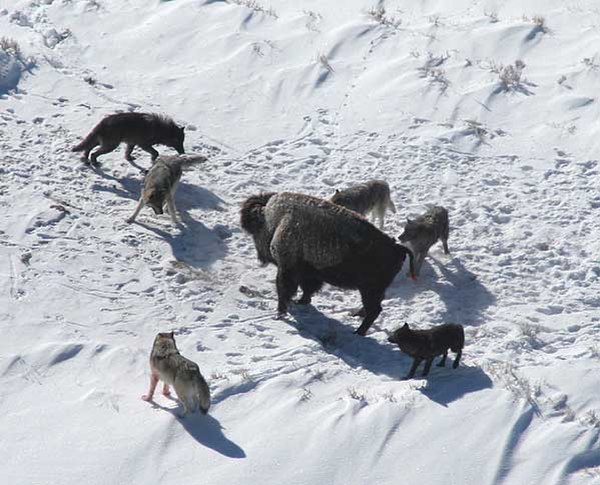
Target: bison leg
(372,306)
(428,363)
(310,284)
(413,369)
(442,363)
(287,285)
(457,359)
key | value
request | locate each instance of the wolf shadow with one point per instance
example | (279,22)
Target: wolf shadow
(381,358)
(465,298)
(207,431)
(195,244)
(446,387)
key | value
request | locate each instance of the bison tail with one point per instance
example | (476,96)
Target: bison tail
(411,260)
(252,214)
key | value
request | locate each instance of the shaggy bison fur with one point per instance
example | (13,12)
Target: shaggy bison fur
(313,241)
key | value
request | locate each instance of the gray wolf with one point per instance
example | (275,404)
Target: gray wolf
(160,184)
(423,232)
(426,344)
(313,241)
(169,366)
(141,129)
(371,197)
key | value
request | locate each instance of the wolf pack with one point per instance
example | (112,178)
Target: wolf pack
(310,240)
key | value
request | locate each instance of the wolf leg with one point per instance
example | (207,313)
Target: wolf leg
(428,363)
(150,149)
(442,363)
(102,150)
(139,207)
(153,383)
(166,391)
(457,359)
(444,239)
(420,258)
(128,151)
(171,208)
(372,304)
(413,369)
(445,244)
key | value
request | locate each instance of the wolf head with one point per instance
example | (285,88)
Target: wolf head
(411,231)
(400,334)
(176,139)
(155,198)
(165,340)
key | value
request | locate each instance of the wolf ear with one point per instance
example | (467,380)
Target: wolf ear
(406,326)
(408,221)
(172,334)
(337,191)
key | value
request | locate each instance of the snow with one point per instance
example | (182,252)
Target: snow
(305,98)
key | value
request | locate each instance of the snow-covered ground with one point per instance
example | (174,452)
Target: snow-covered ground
(302,96)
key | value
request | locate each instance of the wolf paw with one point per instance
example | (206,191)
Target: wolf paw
(147,397)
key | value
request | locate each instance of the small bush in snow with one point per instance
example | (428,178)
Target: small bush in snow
(591,419)
(356,394)
(306,394)
(510,76)
(254,5)
(313,19)
(380,16)
(322,58)
(432,71)
(590,62)
(11,48)
(493,16)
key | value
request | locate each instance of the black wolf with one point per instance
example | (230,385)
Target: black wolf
(426,344)
(313,241)
(423,232)
(141,129)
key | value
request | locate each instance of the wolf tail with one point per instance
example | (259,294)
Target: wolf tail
(192,159)
(252,216)
(202,395)
(88,142)
(411,260)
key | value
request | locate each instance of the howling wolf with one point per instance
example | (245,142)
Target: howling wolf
(169,366)
(313,241)
(372,196)
(160,184)
(142,129)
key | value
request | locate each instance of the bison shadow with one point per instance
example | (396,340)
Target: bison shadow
(207,431)
(338,339)
(465,298)
(444,385)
